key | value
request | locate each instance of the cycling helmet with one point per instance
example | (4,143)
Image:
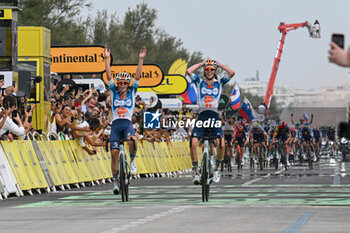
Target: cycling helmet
(282,125)
(301,119)
(255,125)
(292,129)
(331,127)
(210,63)
(305,129)
(123,77)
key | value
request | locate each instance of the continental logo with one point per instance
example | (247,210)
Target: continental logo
(77,59)
(87,58)
(152,75)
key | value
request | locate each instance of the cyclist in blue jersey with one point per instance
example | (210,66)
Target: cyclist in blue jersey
(123,102)
(306,135)
(209,91)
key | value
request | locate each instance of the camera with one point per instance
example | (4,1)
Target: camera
(14,113)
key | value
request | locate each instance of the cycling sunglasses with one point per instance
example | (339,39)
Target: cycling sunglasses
(210,68)
(123,83)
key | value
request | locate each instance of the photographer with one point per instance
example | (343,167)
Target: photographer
(9,104)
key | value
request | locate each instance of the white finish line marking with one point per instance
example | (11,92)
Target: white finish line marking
(258,179)
(146,219)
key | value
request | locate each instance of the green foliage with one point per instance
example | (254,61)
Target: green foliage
(124,37)
(60,16)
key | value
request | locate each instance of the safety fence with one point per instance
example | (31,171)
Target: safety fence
(27,166)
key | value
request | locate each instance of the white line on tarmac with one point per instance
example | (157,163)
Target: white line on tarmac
(336,179)
(258,179)
(146,219)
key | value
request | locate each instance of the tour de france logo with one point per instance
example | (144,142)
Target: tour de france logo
(151,120)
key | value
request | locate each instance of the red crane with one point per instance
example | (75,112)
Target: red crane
(284,28)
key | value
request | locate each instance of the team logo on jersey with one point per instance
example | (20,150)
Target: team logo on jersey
(206,91)
(127,102)
(121,110)
(208,99)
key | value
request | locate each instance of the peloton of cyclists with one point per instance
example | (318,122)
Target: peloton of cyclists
(209,90)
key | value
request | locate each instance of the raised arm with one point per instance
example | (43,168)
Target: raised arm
(229,71)
(108,66)
(195,67)
(139,66)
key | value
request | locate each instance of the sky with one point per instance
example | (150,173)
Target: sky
(244,35)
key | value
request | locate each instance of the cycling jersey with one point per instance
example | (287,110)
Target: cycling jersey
(123,105)
(331,134)
(317,135)
(258,133)
(208,94)
(306,134)
(282,133)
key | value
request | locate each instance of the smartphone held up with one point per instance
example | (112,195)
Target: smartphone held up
(338,39)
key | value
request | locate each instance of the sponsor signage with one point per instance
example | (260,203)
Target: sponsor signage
(171,103)
(172,84)
(77,59)
(152,75)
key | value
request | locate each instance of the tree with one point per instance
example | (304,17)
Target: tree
(60,16)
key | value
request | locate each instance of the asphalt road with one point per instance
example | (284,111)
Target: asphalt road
(297,200)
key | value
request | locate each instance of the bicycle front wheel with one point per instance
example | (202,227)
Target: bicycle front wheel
(309,158)
(204,178)
(123,179)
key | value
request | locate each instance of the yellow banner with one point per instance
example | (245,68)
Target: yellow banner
(172,84)
(151,76)
(77,59)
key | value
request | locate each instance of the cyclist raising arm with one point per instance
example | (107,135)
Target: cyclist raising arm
(209,91)
(123,102)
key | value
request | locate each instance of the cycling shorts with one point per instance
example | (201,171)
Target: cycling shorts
(240,141)
(259,138)
(120,127)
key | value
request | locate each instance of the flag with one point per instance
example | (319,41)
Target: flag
(190,95)
(235,98)
(247,111)
(306,117)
